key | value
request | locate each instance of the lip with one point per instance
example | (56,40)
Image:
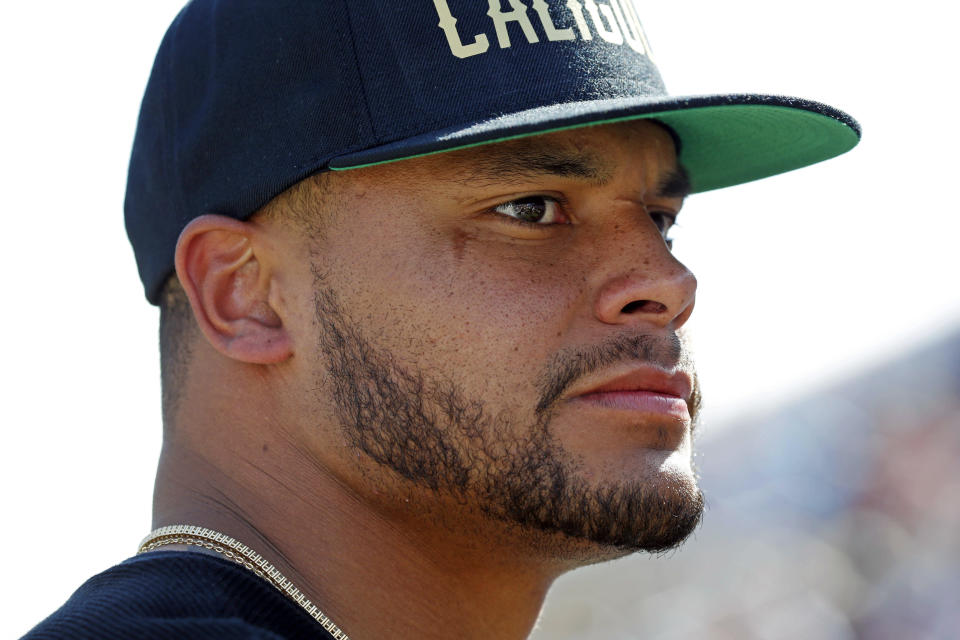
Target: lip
(641,389)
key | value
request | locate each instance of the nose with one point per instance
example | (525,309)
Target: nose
(653,288)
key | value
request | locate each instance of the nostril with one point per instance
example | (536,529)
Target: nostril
(644,306)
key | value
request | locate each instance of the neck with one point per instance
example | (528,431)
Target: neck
(376,572)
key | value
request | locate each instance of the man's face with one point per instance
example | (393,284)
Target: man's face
(496,338)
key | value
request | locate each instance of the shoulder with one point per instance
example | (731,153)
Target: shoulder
(177,595)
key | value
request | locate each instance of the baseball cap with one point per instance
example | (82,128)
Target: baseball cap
(249,97)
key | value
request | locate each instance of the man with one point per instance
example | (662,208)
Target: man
(421,328)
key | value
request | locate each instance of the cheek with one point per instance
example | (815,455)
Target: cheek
(499,293)
(485,314)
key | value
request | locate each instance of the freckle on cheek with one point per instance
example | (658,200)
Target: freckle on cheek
(459,244)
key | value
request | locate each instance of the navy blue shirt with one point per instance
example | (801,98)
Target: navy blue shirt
(178,595)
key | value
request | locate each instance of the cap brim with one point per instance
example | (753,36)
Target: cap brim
(725,139)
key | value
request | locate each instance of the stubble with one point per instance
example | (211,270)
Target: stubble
(433,434)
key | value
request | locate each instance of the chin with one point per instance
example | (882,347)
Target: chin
(650,502)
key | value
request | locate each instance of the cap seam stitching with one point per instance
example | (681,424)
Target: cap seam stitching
(363,82)
(175,181)
(173,178)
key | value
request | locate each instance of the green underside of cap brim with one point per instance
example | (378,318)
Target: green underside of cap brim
(723,145)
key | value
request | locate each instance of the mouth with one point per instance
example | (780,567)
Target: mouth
(644,389)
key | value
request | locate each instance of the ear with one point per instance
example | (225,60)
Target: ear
(229,287)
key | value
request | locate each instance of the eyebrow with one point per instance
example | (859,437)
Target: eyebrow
(676,184)
(515,164)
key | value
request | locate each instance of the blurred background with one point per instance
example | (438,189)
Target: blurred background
(834,516)
(827,331)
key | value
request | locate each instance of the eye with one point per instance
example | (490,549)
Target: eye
(539,210)
(664,222)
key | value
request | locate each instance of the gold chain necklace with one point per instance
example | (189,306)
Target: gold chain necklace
(241,554)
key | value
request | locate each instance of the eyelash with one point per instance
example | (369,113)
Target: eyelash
(671,222)
(670,219)
(561,202)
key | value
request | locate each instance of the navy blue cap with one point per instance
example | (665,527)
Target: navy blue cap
(248,97)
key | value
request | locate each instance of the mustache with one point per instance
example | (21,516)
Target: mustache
(567,366)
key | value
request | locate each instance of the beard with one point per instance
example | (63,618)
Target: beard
(430,432)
